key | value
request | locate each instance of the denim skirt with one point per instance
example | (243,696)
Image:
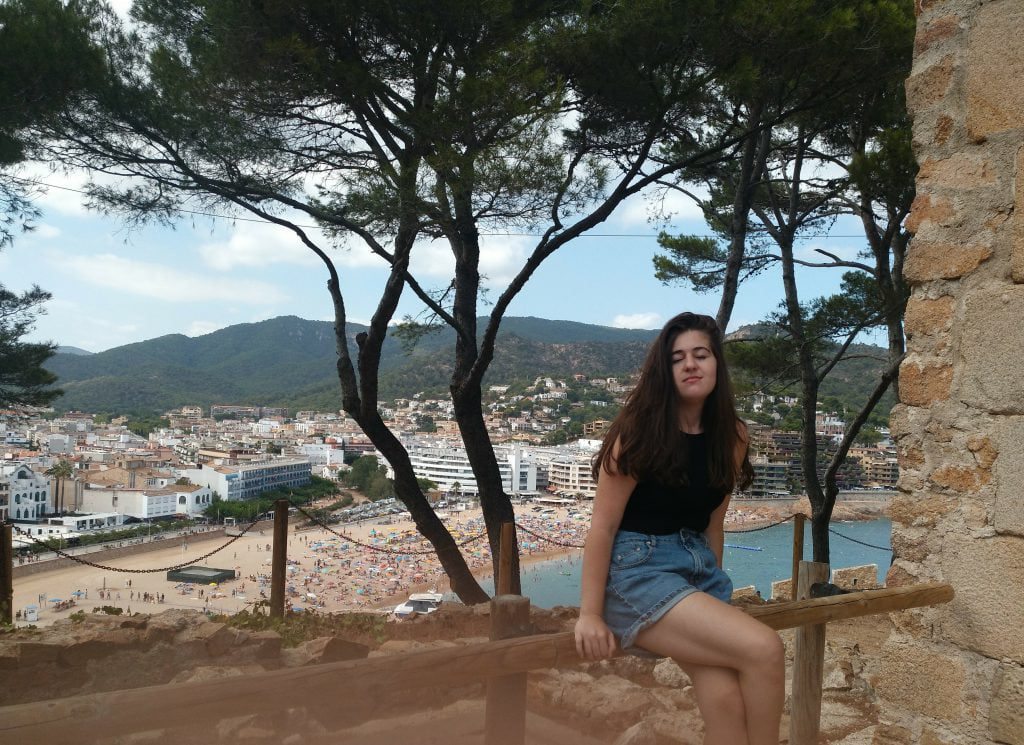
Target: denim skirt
(649,574)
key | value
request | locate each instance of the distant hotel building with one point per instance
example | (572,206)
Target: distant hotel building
(249,480)
(446,466)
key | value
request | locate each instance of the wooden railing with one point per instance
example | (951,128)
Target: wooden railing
(355,685)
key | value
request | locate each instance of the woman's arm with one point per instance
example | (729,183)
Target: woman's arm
(715,531)
(594,640)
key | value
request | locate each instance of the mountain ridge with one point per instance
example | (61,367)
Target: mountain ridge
(291,362)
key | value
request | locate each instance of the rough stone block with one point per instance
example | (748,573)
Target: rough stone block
(960,171)
(991,339)
(1006,717)
(995,97)
(921,509)
(891,734)
(929,209)
(910,541)
(750,591)
(910,457)
(268,644)
(935,31)
(668,673)
(921,680)
(960,478)
(217,637)
(930,260)
(782,590)
(929,86)
(922,385)
(1009,471)
(931,737)
(924,316)
(987,575)
(856,578)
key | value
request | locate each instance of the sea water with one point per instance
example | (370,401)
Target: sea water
(557,582)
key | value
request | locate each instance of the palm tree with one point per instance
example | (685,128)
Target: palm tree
(62,471)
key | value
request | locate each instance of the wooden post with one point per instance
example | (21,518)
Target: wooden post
(798,551)
(280,558)
(505,716)
(505,547)
(808,665)
(6,574)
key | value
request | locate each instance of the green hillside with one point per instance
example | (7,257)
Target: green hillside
(290,362)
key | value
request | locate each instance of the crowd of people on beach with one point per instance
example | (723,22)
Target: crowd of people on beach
(373,565)
(333,573)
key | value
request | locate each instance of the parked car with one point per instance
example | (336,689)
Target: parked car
(419,602)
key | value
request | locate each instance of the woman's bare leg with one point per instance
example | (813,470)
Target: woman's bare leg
(703,631)
(717,690)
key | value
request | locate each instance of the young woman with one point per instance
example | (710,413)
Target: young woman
(652,567)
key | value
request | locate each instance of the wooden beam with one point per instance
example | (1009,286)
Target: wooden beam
(808,664)
(359,684)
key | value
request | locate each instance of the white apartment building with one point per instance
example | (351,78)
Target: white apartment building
(249,480)
(448,465)
(322,454)
(28,493)
(570,475)
(149,502)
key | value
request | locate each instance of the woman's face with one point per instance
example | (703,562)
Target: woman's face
(694,367)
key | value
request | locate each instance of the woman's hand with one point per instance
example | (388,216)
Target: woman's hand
(594,640)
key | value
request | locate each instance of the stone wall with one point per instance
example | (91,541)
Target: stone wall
(955,673)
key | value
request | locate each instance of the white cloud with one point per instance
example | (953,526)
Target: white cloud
(660,206)
(46,231)
(501,258)
(254,244)
(63,191)
(637,321)
(160,282)
(259,244)
(201,328)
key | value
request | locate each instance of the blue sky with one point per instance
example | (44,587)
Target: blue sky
(114,285)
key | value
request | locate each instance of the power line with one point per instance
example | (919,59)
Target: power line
(237,218)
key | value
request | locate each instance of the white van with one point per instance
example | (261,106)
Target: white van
(419,602)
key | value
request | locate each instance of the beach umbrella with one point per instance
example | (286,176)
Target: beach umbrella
(78,593)
(56,600)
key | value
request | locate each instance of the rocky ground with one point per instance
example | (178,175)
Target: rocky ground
(626,700)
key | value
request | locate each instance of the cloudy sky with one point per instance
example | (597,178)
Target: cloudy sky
(114,285)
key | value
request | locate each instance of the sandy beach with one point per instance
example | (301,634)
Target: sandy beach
(377,568)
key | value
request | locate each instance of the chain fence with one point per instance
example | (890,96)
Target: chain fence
(122,570)
(378,548)
(863,543)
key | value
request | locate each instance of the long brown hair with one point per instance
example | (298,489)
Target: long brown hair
(647,428)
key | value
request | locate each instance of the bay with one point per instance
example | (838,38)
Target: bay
(557,581)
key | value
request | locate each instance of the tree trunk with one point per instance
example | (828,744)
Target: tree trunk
(755,148)
(494,501)
(408,491)
(359,399)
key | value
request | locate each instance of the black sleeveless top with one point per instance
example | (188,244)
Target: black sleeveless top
(657,509)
